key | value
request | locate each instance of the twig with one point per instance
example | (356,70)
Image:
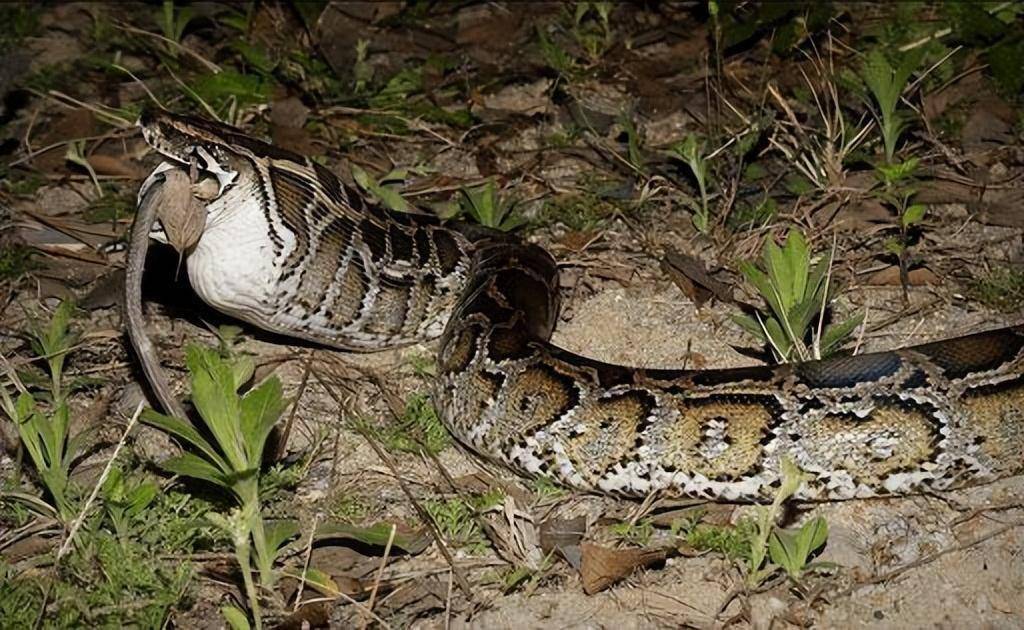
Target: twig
(212,67)
(380,572)
(99,483)
(305,563)
(420,510)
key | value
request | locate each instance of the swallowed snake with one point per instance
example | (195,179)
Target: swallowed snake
(289,248)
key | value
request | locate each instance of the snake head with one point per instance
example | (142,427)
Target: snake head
(199,145)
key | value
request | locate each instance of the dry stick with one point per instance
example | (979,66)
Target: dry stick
(212,67)
(135,322)
(305,563)
(933,557)
(99,483)
(380,572)
(420,510)
(282,441)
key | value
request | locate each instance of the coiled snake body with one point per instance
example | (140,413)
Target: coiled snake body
(289,248)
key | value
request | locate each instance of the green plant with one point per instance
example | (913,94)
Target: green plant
(45,434)
(485,206)
(638,533)
(125,500)
(456,518)
(791,548)
(691,152)
(111,583)
(898,192)
(594,36)
(1001,288)
(887,84)
(240,425)
(386,188)
(797,293)
(417,429)
(15,261)
(173,21)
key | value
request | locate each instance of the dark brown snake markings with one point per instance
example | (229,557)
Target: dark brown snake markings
(289,248)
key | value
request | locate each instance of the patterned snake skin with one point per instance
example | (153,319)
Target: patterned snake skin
(289,248)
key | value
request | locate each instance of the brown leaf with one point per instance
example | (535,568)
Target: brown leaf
(181,214)
(689,274)
(890,276)
(564,536)
(116,166)
(601,567)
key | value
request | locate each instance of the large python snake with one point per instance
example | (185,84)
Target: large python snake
(289,248)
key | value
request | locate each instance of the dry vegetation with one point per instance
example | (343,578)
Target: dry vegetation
(654,148)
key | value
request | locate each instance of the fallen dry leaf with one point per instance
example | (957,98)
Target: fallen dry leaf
(692,277)
(564,536)
(601,567)
(890,276)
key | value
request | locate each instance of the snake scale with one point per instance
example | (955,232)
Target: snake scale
(289,248)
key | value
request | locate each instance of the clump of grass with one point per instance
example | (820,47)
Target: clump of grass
(638,533)
(417,430)
(456,518)
(1001,289)
(15,261)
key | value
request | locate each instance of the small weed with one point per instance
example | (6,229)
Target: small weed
(423,365)
(25,184)
(591,28)
(456,518)
(1001,289)
(18,20)
(240,425)
(349,508)
(117,583)
(691,152)
(110,208)
(230,89)
(772,548)
(887,84)
(418,429)
(546,488)
(43,420)
(125,499)
(15,261)
(898,193)
(485,206)
(797,294)
(386,188)
(638,533)
(732,542)
(21,597)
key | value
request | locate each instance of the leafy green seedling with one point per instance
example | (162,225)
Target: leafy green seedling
(691,152)
(385,189)
(898,192)
(797,292)
(488,208)
(125,499)
(173,22)
(240,426)
(45,435)
(764,529)
(887,84)
(791,549)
